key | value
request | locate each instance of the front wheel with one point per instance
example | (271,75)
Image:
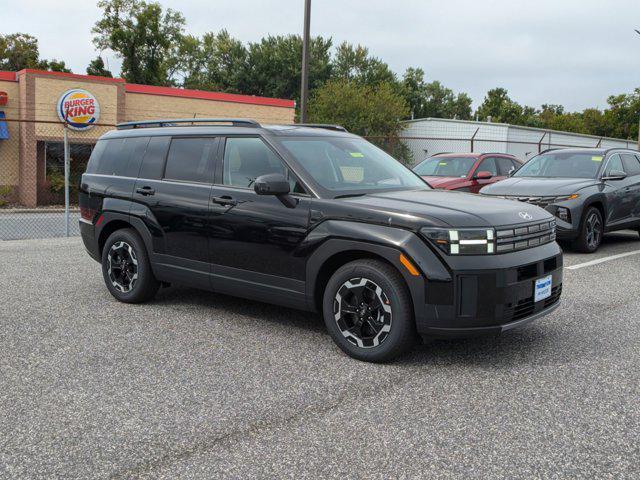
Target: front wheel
(368,312)
(591,231)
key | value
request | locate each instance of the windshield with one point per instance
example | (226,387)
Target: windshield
(347,164)
(445,166)
(562,164)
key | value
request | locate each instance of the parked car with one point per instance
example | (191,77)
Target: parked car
(467,172)
(590,191)
(316,219)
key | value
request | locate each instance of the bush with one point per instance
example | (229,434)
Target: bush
(6,192)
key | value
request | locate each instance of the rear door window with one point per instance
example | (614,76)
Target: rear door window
(154,157)
(190,159)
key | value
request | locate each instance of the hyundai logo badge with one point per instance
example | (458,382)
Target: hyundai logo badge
(525,215)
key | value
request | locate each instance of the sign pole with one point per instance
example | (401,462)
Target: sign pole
(304,88)
(66,178)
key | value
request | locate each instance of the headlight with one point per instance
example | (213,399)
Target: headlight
(462,241)
(564,198)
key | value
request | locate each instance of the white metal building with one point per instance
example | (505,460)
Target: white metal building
(428,136)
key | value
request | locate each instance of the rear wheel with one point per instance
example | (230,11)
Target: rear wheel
(368,312)
(126,269)
(591,231)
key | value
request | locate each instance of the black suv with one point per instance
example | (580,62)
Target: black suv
(590,191)
(314,218)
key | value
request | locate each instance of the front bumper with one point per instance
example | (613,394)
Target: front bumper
(491,294)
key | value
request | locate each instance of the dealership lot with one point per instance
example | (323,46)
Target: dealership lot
(202,385)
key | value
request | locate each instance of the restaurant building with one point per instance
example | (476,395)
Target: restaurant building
(34,105)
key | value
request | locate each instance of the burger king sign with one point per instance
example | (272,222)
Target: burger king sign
(79,108)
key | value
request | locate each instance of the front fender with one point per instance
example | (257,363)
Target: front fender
(336,237)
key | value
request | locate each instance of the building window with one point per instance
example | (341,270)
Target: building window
(52,192)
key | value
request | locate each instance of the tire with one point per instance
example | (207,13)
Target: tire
(586,242)
(388,308)
(125,247)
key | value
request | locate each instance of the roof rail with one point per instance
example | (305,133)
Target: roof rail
(337,128)
(235,122)
(551,150)
(441,153)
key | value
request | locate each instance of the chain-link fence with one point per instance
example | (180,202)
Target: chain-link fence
(423,138)
(34,202)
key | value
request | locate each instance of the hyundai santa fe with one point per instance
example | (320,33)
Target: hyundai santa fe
(314,218)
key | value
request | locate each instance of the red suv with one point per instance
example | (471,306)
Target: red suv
(467,172)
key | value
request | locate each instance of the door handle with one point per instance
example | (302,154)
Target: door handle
(225,201)
(145,191)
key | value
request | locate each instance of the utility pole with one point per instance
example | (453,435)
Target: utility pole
(304,89)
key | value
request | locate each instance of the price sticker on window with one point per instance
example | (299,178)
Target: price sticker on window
(357,154)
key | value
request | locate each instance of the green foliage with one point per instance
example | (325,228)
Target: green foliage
(56,182)
(96,67)
(6,192)
(146,37)
(367,110)
(361,109)
(19,51)
(433,99)
(275,66)
(353,63)
(499,107)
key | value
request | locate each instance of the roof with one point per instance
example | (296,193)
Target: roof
(156,90)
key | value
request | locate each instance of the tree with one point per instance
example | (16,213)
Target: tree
(355,64)
(433,99)
(147,39)
(215,62)
(361,109)
(19,51)
(96,67)
(499,107)
(274,66)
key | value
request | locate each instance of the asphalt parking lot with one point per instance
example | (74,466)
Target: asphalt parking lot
(198,385)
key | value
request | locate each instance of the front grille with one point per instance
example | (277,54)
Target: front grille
(521,237)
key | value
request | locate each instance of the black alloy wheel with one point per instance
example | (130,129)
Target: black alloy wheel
(591,231)
(368,311)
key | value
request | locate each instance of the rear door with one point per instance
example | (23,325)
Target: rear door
(172,197)
(632,168)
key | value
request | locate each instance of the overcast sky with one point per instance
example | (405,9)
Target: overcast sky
(571,52)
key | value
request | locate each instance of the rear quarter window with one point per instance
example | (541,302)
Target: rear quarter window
(118,156)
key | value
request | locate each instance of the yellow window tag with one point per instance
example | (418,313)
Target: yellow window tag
(596,158)
(357,154)
(443,164)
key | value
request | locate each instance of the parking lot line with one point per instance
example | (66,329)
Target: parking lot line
(602,260)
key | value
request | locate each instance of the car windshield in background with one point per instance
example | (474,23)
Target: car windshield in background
(347,164)
(563,165)
(445,166)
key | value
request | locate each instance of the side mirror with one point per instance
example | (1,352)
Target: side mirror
(275,184)
(484,175)
(615,175)
(271,184)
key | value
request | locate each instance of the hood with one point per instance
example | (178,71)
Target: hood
(417,208)
(536,186)
(441,182)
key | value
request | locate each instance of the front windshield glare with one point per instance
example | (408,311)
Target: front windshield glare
(347,164)
(445,166)
(563,165)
